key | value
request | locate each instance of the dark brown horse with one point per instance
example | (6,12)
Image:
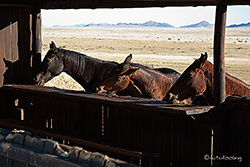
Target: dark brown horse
(197,82)
(87,71)
(147,82)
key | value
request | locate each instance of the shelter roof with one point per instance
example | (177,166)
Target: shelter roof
(75,4)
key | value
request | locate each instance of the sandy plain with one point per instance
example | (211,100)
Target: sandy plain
(155,47)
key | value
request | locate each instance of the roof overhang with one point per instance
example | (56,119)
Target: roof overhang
(93,4)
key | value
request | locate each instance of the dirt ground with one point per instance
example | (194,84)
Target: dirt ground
(155,47)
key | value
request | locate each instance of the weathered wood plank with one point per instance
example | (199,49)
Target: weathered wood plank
(137,103)
(66,4)
(14,45)
(127,123)
(219,52)
(36,36)
(16,125)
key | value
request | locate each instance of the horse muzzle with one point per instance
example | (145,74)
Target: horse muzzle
(101,90)
(172,99)
(38,80)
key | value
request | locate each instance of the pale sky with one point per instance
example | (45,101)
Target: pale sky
(176,16)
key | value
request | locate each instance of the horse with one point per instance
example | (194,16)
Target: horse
(197,83)
(87,71)
(147,82)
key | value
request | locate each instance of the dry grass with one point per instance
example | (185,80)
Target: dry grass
(155,47)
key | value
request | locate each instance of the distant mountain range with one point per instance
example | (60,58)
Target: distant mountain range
(155,24)
(239,25)
(146,24)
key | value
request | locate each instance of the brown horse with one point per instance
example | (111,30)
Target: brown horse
(197,82)
(147,82)
(87,71)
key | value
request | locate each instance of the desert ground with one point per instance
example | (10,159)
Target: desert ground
(155,47)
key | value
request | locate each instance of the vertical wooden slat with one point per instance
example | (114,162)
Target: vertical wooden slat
(219,73)
(14,45)
(4,42)
(36,36)
(219,54)
(24,46)
(177,139)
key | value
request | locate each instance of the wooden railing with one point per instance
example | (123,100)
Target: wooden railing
(143,131)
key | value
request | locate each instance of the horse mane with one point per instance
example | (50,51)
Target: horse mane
(237,79)
(72,55)
(233,84)
(236,86)
(164,71)
(77,61)
(230,76)
(74,60)
(152,83)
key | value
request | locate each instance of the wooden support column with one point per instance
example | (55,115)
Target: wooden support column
(36,36)
(219,80)
(219,54)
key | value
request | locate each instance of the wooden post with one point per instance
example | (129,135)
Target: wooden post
(36,36)
(219,77)
(219,54)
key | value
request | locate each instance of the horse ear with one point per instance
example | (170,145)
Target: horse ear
(52,46)
(128,58)
(130,70)
(203,58)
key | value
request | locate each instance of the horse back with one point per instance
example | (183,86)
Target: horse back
(234,86)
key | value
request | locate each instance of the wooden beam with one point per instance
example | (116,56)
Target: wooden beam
(76,4)
(219,53)
(36,36)
(103,146)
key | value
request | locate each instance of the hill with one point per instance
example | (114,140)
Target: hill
(200,24)
(156,24)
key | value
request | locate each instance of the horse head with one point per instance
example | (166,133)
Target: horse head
(191,84)
(118,78)
(51,66)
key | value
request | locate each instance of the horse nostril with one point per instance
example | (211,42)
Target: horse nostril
(97,89)
(170,101)
(41,83)
(100,90)
(175,101)
(172,98)
(35,80)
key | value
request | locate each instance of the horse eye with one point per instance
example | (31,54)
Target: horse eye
(192,73)
(52,55)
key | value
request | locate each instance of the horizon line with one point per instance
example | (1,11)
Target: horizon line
(139,24)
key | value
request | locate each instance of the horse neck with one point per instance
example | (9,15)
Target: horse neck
(96,69)
(155,84)
(235,86)
(73,62)
(208,70)
(84,69)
